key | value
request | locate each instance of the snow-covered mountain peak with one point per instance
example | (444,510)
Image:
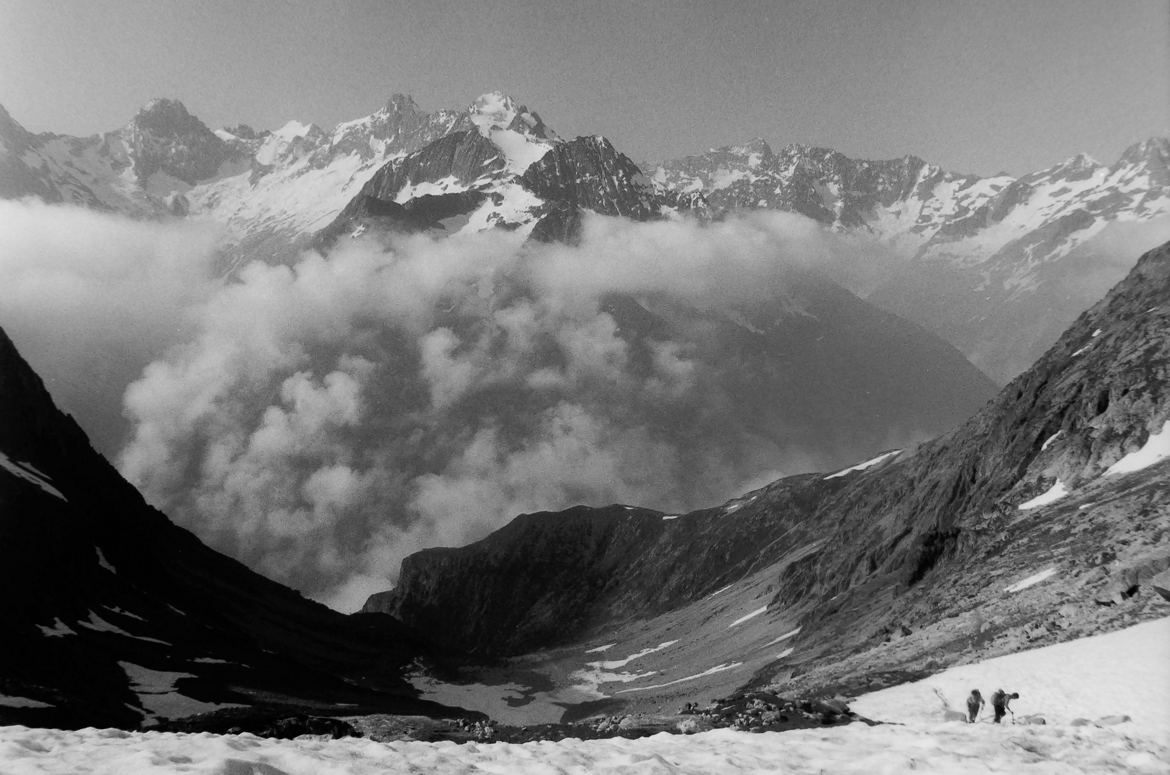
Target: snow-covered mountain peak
(293,137)
(1078,167)
(165,116)
(12,134)
(400,126)
(496,110)
(293,129)
(519,133)
(1148,160)
(757,151)
(1149,149)
(401,103)
(164,137)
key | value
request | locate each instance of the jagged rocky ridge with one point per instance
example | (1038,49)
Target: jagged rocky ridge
(276,189)
(476,183)
(110,615)
(997,266)
(866,559)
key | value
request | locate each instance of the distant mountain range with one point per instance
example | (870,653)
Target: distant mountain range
(808,373)
(997,266)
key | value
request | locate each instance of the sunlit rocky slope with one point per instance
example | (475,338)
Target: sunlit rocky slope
(1042,518)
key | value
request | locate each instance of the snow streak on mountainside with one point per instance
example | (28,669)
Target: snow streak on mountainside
(998,266)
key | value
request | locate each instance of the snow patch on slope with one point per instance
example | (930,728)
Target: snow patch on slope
(159,698)
(29,473)
(710,671)
(785,636)
(1124,672)
(9,701)
(98,624)
(746,617)
(103,562)
(588,679)
(1051,495)
(1031,581)
(1156,449)
(867,464)
(58,630)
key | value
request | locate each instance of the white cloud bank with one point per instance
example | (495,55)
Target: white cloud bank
(320,420)
(328,418)
(91,298)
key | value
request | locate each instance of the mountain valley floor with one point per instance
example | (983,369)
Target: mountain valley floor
(1100,704)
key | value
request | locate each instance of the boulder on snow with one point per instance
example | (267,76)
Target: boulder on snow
(1108,721)
(834,705)
(1081,722)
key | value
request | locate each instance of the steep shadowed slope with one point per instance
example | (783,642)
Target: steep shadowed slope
(112,616)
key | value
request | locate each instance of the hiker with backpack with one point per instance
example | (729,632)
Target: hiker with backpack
(1000,703)
(975,704)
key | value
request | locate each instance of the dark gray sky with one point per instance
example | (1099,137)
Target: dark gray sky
(976,86)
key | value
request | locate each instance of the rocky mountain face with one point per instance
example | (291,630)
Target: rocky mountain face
(273,189)
(523,175)
(589,174)
(17,177)
(276,189)
(164,138)
(112,616)
(142,169)
(1042,518)
(998,266)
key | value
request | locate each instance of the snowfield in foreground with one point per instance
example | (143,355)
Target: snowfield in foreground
(1122,672)
(938,748)
(1119,673)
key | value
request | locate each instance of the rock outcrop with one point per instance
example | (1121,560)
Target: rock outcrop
(588,174)
(164,137)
